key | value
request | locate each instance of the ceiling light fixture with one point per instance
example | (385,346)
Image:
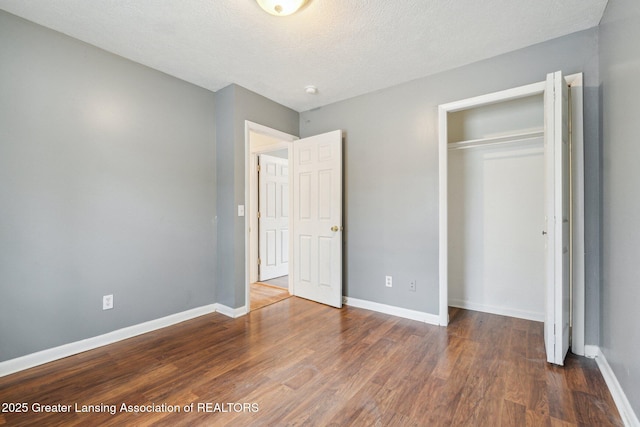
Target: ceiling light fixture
(311,90)
(281,7)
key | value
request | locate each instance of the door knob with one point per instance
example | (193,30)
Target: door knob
(336,228)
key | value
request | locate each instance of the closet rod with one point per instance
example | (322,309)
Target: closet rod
(495,140)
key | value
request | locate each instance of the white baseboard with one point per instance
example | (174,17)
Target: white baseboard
(502,311)
(45,356)
(591,351)
(231,312)
(629,417)
(420,316)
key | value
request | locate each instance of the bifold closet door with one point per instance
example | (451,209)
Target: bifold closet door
(557,229)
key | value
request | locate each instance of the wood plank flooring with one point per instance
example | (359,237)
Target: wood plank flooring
(262,295)
(301,363)
(282,281)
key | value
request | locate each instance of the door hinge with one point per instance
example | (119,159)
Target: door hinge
(258,168)
(258,214)
(259,261)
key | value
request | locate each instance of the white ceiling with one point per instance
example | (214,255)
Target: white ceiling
(344,47)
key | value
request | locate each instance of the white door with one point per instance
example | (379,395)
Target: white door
(273,211)
(556,325)
(317,218)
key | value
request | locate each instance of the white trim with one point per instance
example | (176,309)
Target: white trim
(443,217)
(420,316)
(575,82)
(265,130)
(590,351)
(628,415)
(251,198)
(501,311)
(49,355)
(231,312)
(495,97)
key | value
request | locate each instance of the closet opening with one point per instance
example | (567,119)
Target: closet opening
(496,208)
(511,207)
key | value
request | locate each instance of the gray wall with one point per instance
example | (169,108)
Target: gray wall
(620,69)
(107,185)
(391,169)
(234,105)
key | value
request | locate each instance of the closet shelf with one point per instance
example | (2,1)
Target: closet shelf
(472,143)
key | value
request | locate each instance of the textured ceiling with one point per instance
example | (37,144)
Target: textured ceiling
(344,47)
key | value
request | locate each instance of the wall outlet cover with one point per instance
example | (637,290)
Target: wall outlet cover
(107,302)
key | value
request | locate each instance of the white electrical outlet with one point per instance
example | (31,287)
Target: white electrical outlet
(107,302)
(388,281)
(412,285)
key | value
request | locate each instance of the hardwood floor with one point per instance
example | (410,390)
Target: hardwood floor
(282,281)
(262,295)
(301,363)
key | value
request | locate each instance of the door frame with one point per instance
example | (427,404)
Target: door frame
(575,81)
(282,140)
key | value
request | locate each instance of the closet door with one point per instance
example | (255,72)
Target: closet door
(557,212)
